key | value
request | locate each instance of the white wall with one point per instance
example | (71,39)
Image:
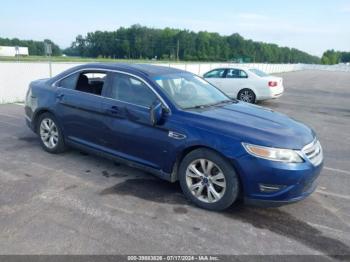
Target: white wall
(339,68)
(16,76)
(11,51)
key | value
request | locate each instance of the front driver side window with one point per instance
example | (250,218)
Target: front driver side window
(131,90)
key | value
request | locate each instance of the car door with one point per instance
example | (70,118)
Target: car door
(235,80)
(131,135)
(216,77)
(79,108)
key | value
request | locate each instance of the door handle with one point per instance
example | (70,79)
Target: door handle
(113,110)
(60,96)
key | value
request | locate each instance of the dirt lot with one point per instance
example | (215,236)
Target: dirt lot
(80,204)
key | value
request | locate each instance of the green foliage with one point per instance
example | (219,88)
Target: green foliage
(35,48)
(138,42)
(331,57)
(76,59)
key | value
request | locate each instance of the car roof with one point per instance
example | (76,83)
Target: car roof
(232,67)
(156,69)
(143,69)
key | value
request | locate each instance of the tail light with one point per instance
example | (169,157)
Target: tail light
(273,84)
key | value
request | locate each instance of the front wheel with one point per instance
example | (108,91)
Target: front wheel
(247,95)
(208,180)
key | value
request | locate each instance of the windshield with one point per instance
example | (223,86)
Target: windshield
(190,91)
(258,72)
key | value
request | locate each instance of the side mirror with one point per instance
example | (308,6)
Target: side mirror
(156,113)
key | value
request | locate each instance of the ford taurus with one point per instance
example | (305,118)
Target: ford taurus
(179,127)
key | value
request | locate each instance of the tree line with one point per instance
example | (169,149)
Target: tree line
(331,57)
(138,42)
(36,48)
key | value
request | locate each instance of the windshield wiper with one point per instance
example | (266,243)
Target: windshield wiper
(198,107)
(224,102)
(213,104)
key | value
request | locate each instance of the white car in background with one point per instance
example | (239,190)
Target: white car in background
(246,84)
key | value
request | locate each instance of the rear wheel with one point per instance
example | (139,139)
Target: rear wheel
(208,180)
(247,95)
(50,133)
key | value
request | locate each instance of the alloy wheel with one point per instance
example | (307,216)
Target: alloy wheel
(247,96)
(49,133)
(205,180)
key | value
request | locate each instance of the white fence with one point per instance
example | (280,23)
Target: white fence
(339,68)
(16,76)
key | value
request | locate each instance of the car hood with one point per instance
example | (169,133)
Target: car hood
(253,124)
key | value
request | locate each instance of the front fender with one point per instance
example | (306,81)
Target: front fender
(226,146)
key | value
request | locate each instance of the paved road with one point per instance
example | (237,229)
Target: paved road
(80,204)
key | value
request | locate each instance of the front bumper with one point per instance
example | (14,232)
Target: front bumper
(295,181)
(29,123)
(277,203)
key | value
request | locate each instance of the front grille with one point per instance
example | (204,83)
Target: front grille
(313,152)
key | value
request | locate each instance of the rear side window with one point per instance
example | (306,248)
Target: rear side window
(87,82)
(131,90)
(91,82)
(217,73)
(236,73)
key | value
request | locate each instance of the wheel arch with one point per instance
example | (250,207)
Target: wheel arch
(183,153)
(37,115)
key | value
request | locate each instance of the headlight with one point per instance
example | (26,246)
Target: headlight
(274,154)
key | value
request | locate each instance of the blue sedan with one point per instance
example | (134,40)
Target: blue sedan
(179,127)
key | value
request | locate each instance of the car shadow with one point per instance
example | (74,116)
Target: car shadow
(269,104)
(155,190)
(275,220)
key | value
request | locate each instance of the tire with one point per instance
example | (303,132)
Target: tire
(50,134)
(226,185)
(247,95)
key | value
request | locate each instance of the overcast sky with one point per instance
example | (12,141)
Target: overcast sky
(310,25)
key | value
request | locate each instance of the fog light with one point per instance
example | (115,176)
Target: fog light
(270,188)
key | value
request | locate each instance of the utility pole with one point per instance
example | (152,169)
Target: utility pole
(48,52)
(17,52)
(178,50)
